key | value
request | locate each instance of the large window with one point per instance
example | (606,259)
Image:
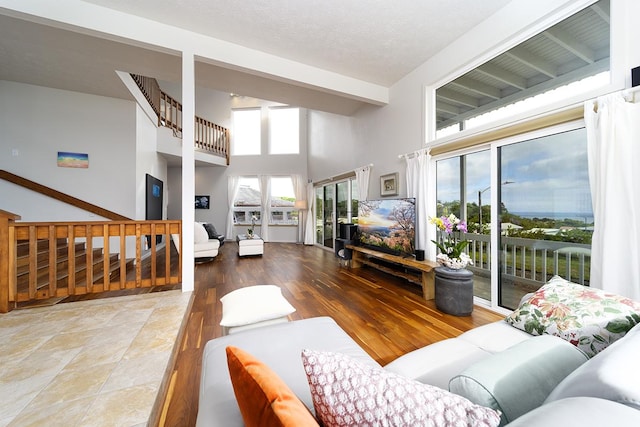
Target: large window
(248,203)
(246,132)
(284,130)
(534,204)
(568,58)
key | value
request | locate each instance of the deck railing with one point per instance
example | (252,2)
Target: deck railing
(43,260)
(533,261)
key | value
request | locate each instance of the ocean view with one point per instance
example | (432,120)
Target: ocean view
(587,217)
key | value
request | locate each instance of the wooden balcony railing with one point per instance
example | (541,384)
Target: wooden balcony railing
(210,137)
(43,260)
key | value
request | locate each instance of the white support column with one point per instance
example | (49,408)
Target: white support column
(188,169)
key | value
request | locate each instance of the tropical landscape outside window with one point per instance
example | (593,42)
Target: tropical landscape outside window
(246,132)
(284,130)
(283,210)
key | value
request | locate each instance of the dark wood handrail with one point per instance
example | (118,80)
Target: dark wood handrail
(47,191)
(210,137)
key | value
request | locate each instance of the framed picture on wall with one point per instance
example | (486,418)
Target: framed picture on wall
(389,184)
(202,202)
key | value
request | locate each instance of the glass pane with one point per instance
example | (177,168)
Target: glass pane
(478,216)
(284,131)
(569,58)
(448,187)
(328,215)
(545,214)
(355,194)
(342,202)
(319,216)
(246,132)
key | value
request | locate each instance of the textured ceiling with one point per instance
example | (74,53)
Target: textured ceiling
(378,41)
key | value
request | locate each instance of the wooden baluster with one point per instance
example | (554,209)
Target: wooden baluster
(7,259)
(53,261)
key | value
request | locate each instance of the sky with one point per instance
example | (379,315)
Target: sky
(547,174)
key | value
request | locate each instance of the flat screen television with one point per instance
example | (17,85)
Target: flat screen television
(388,225)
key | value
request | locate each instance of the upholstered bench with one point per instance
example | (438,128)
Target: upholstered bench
(250,246)
(252,307)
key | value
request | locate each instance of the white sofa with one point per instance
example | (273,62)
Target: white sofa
(203,246)
(532,380)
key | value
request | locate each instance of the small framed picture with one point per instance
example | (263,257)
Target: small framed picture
(202,202)
(389,184)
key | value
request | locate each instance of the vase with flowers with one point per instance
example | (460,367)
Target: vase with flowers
(453,282)
(250,231)
(451,246)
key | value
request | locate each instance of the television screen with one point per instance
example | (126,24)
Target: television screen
(388,225)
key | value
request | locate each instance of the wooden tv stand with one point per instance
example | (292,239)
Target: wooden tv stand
(419,272)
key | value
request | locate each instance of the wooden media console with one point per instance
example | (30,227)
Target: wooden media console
(419,272)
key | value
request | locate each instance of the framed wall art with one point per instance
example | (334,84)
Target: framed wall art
(202,202)
(389,184)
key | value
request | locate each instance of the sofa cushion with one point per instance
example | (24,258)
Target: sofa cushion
(253,304)
(211,231)
(520,378)
(437,363)
(199,233)
(348,393)
(579,411)
(611,375)
(264,399)
(588,318)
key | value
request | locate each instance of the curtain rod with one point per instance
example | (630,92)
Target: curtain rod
(414,153)
(342,175)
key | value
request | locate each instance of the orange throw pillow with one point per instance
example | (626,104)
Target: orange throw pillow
(264,399)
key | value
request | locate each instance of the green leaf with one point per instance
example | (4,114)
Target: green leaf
(618,326)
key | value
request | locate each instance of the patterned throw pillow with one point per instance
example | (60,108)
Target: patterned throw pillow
(347,392)
(589,318)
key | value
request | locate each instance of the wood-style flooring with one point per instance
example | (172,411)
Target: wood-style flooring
(385,315)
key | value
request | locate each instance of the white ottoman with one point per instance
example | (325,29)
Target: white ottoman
(252,307)
(250,246)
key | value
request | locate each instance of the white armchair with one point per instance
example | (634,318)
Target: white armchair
(203,247)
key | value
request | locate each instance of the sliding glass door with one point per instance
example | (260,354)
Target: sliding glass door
(336,203)
(527,204)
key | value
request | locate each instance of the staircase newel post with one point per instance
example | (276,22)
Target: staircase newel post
(7,265)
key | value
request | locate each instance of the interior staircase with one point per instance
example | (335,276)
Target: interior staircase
(61,265)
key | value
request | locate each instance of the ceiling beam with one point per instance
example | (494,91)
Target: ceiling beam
(457,97)
(477,87)
(602,13)
(491,70)
(570,43)
(531,60)
(449,109)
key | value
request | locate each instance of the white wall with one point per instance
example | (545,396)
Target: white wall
(38,122)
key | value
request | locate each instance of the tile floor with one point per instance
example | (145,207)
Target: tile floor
(89,363)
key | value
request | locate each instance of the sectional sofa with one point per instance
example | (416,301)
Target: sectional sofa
(566,356)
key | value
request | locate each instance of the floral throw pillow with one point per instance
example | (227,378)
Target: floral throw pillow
(347,392)
(588,318)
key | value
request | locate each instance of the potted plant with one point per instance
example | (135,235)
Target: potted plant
(454,283)
(250,231)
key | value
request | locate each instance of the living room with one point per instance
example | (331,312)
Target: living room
(348,123)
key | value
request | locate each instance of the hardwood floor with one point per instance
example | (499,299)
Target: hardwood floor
(384,314)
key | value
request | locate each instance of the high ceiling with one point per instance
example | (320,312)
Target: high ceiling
(376,41)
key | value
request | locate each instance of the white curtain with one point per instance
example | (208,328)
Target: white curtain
(309,229)
(362,179)
(233,184)
(265,213)
(417,187)
(613,135)
(300,192)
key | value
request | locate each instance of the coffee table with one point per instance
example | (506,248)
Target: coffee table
(249,245)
